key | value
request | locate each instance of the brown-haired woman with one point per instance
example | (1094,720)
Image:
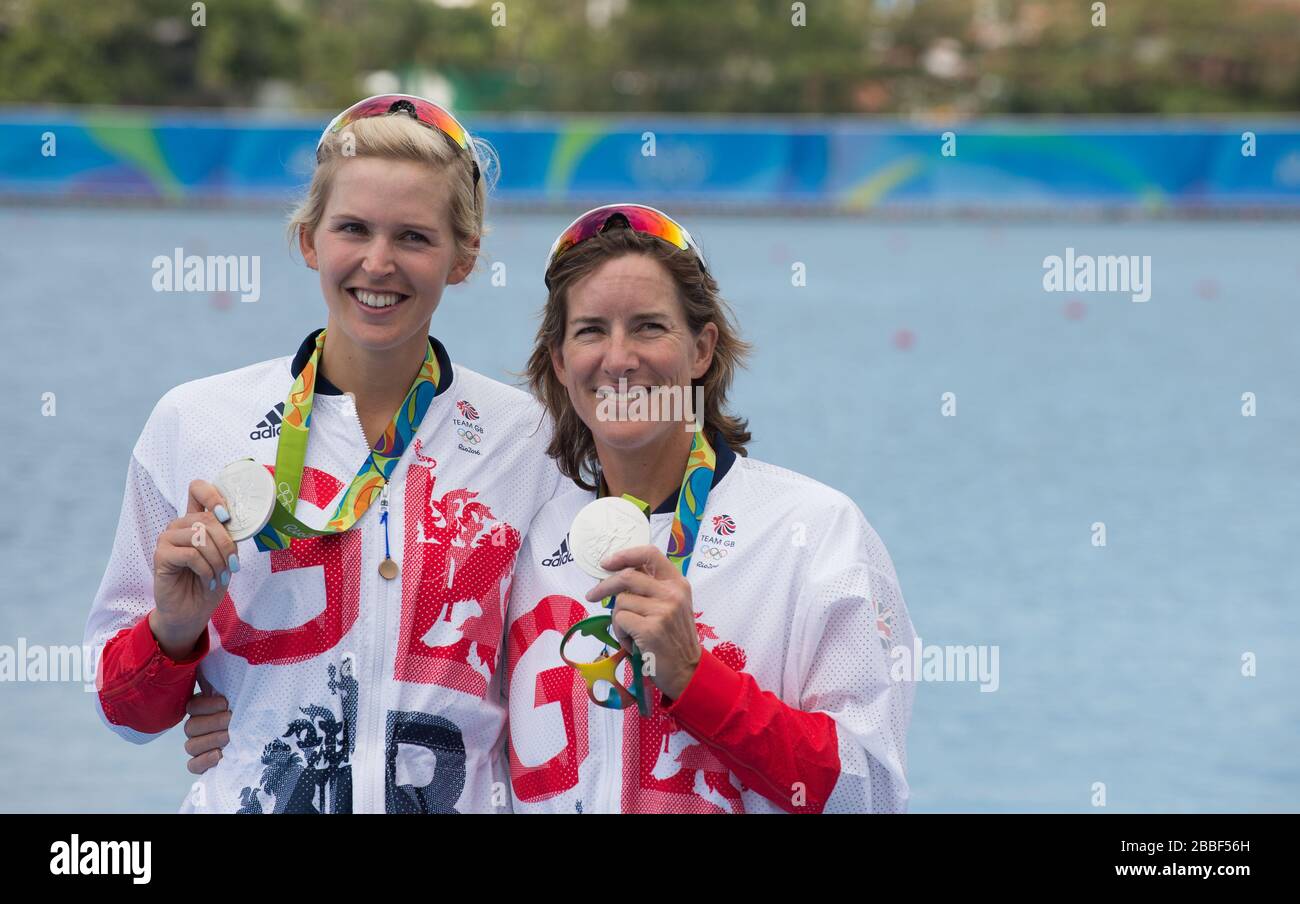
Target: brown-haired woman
(763,610)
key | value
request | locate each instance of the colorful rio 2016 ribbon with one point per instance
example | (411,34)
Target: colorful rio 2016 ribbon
(691,499)
(291,452)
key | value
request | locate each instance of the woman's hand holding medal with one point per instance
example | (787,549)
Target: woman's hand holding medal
(653,610)
(192,565)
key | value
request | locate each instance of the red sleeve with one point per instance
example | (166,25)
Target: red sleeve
(770,746)
(142,687)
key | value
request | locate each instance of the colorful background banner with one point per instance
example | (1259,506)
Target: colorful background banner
(827,164)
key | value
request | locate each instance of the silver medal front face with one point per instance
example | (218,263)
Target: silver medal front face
(606,526)
(249,490)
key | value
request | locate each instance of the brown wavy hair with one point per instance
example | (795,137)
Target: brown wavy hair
(572,445)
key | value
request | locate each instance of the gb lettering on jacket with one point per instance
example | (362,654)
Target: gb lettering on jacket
(457,560)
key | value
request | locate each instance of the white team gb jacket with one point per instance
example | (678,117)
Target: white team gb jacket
(792,707)
(349,692)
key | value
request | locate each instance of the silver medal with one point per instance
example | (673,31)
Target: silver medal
(249,491)
(606,526)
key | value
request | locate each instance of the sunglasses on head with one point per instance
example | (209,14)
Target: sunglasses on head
(425,112)
(637,217)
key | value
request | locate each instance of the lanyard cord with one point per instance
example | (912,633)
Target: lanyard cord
(383,519)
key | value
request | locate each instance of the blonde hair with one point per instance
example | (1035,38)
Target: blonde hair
(572,445)
(398,137)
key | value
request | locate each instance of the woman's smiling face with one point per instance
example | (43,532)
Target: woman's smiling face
(625,321)
(385,237)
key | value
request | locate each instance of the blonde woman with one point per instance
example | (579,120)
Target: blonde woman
(354,636)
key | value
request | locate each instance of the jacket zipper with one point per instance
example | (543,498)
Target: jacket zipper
(613,773)
(613,741)
(378,749)
(370,761)
(612,770)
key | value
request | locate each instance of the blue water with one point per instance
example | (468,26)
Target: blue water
(1118,664)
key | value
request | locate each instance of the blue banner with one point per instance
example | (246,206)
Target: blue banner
(831,164)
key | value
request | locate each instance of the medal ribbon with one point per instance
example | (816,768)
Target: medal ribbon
(291,452)
(691,499)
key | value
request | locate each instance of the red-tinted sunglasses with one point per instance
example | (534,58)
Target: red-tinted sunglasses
(638,217)
(423,111)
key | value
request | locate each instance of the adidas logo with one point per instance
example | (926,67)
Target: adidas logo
(269,426)
(561,556)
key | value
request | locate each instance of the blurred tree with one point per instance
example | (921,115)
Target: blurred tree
(145,52)
(745,56)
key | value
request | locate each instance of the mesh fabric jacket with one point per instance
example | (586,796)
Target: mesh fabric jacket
(792,707)
(349,692)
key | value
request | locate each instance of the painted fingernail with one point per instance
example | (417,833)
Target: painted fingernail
(234,562)
(212,584)
(225,579)
(222,515)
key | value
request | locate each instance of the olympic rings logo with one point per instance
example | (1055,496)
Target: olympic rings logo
(469,436)
(715,553)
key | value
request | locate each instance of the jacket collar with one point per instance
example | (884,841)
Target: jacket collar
(726,458)
(325,387)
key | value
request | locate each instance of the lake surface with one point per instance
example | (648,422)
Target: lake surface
(1120,664)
